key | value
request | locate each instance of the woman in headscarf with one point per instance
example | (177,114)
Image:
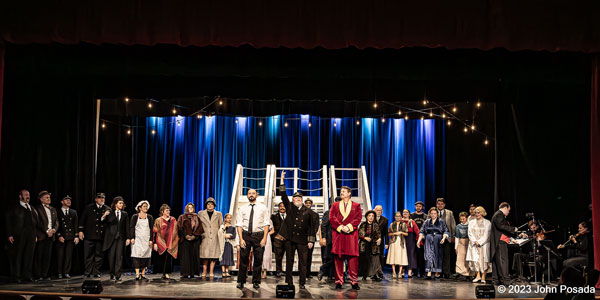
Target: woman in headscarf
(190,235)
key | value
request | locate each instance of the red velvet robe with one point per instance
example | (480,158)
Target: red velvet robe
(343,243)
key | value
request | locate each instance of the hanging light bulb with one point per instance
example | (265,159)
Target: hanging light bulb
(422,118)
(382,120)
(150,105)
(449,122)
(220,100)
(430,113)
(406,117)
(443,115)
(199,116)
(236,121)
(103,125)
(309,124)
(478,104)
(466,129)
(126,99)
(357,122)
(178,122)
(128,131)
(153,131)
(425,101)
(334,124)
(285,124)
(399,112)
(486,142)
(454,109)
(375,104)
(259,123)
(174,111)
(473,127)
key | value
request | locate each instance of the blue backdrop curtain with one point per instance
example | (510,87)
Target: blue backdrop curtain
(189,159)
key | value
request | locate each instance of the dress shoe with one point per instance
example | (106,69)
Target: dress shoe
(320,276)
(59,276)
(256,285)
(302,287)
(355,287)
(338,286)
(240,285)
(376,278)
(112,277)
(67,276)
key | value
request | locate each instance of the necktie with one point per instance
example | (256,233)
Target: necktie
(283,217)
(119,215)
(28,208)
(66,212)
(251,218)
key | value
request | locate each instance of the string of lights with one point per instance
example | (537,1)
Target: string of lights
(430,110)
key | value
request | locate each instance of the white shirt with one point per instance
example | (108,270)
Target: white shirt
(49,215)
(25,205)
(118,215)
(261,217)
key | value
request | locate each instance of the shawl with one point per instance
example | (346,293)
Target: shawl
(189,224)
(165,235)
(397,227)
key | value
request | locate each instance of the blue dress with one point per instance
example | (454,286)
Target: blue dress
(434,252)
(228,248)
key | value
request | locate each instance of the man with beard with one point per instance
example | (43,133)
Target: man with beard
(91,231)
(299,232)
(419,217)
(315,220)
(383,227)
(252,224)
(21,223)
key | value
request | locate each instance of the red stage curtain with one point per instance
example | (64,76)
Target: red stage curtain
(482,24)
(595,157)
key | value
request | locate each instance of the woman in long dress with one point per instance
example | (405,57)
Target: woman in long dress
(369,236)
(435,233)
(478,254)
(166,241)
(190,234)
(229,234)
(397,255)
(211,246)
(411,241)
(461,245)
(140,234)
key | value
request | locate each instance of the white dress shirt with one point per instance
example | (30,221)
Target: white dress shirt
(49,215)
(261,217)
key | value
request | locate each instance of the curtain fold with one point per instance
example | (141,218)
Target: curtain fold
(2,52)
(188,159)
(595,156)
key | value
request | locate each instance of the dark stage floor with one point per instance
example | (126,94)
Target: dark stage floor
(414,288)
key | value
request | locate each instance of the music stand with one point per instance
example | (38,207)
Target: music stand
(550,249)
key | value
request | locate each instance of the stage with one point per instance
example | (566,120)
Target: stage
(414,288)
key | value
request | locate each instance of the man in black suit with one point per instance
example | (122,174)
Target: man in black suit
(67,238)
(46,230)
(383,227)
(91,231)
(501,232)
(315,220)
(328,266)
(115,236)
(298,232)
(21,223)
(277,240)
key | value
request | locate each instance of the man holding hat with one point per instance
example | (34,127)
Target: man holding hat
(299,231)
(67,238)
(91,231)
(315,220)
(47,226)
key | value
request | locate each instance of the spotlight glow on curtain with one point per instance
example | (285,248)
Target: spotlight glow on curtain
(199,156)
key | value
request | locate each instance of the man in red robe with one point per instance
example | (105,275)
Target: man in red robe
(345,216)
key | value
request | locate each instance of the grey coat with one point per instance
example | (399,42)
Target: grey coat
(210,246)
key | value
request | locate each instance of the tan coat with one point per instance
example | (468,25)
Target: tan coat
(210,247)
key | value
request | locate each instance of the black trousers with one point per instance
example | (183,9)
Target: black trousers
(115,257)
(92,251)
(164,263)
(279,251)
(189,257)
(64,256)
(43,257)
(500,264)
(447,269)
(309,257)
(252,242)
(21,256)
(421,260)
(328,267)
(290,253)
